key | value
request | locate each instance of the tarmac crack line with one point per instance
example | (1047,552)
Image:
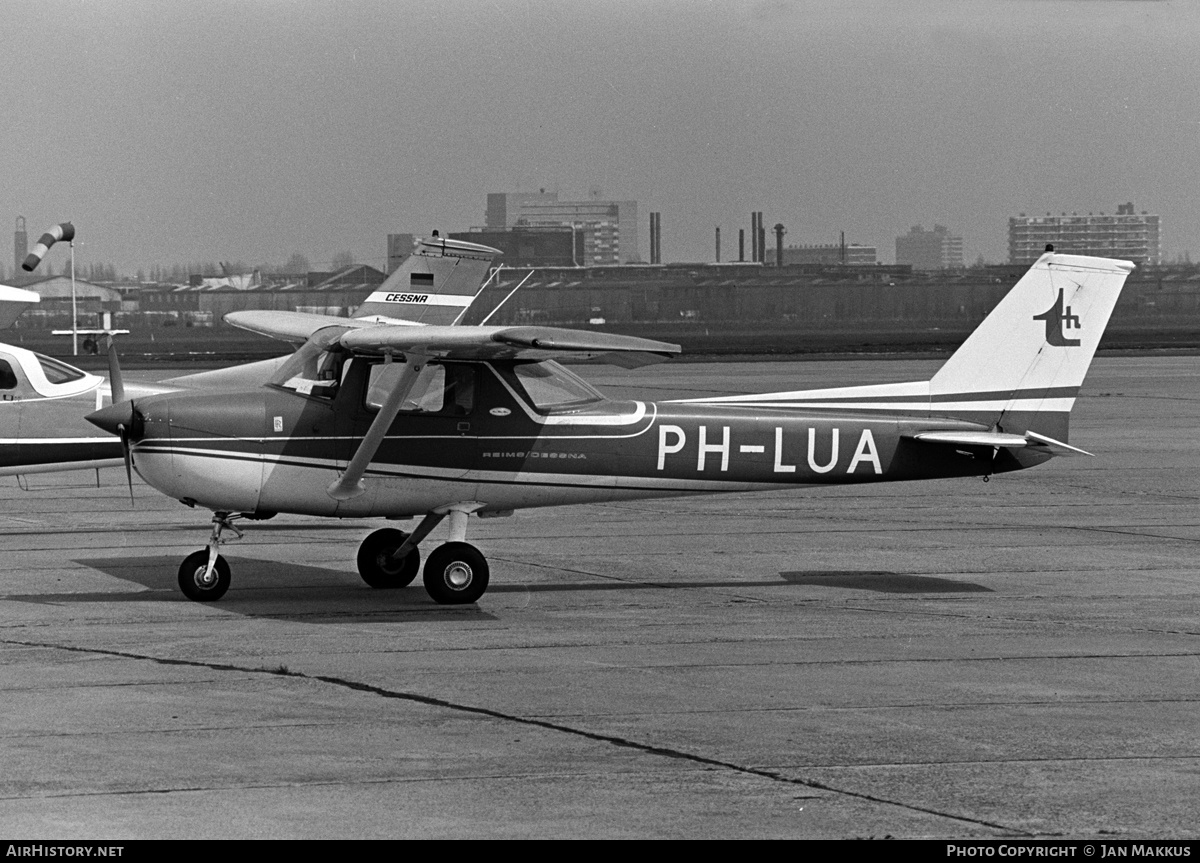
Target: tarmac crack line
(612,740)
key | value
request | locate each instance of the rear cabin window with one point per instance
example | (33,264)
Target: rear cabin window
(8,378)
(548,386)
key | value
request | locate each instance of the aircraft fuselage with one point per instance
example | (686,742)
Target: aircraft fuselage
(274,449)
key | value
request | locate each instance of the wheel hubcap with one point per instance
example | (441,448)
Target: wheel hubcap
(204,578)
(458,575)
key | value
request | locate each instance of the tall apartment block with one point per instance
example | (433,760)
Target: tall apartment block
(609,228)
(930,250)
(1127,235)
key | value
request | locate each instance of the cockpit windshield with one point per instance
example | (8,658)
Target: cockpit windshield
(549,386)
(313,370)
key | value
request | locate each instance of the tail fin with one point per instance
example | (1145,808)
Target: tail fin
(1024,365)
(434,285)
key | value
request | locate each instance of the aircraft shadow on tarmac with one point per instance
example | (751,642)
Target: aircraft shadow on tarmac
(883,582)
(317,594)
(310,594)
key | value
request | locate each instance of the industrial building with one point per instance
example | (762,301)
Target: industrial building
(930,250)
(530,246)
(852,254)
(1127,235)
(608,229)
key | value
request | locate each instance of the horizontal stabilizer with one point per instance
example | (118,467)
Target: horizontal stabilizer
(970,438)
(1030,439)
(1056,447)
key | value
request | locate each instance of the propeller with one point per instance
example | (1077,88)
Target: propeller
(117,384)
(114,372)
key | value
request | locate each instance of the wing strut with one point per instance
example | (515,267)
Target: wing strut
(349,484)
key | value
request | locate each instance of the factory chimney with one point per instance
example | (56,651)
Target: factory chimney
(779,232)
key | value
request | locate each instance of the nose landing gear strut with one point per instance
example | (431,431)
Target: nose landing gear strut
(204,575)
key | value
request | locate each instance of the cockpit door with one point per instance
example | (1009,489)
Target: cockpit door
(434,434)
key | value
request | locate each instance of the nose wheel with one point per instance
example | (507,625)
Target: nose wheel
(204,575)
(201,582)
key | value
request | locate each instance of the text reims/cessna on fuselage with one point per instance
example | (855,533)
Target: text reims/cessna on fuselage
(376,419)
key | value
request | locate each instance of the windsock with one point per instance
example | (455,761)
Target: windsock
(65,232)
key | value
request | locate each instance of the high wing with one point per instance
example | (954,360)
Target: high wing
(464,343)
(509,343)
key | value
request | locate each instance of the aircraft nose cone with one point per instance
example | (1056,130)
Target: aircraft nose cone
(109,418)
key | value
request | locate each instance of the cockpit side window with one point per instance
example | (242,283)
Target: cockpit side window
(8,379)
(447,390)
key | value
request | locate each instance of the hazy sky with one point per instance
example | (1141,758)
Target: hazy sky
(205,131)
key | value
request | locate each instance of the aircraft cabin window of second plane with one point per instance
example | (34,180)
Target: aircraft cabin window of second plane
(8,378)
(56,372)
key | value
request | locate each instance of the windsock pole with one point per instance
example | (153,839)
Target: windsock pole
(74,311)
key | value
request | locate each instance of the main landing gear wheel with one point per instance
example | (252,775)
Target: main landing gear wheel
(195,585)
(456,573)
(377,566)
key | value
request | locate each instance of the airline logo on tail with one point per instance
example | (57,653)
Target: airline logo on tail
(1057,320)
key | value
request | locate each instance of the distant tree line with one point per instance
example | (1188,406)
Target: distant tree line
(298,264)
